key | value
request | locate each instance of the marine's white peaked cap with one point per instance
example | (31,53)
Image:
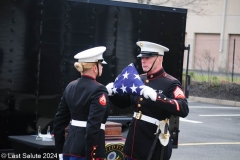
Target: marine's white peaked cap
(149,49)
(91,55)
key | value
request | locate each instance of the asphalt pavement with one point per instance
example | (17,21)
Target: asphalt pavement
(211,131)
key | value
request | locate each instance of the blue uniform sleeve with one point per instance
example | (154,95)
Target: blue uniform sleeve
(60,122)
(97,111)
(175,102)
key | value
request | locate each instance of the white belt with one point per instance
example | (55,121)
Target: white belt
(84,124)
(142,117)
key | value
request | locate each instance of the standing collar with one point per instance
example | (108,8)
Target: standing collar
(156,74)
(87,76)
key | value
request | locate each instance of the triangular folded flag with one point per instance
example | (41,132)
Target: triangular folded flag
(128,82)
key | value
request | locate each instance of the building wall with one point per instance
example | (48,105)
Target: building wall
(206,55)
(209,18)
(215,23)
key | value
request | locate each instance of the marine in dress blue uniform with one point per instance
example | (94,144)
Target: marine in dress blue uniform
(161,97)
(84,104)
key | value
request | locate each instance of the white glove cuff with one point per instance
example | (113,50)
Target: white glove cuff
(60,156)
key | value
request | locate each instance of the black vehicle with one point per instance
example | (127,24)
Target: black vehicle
(39,38)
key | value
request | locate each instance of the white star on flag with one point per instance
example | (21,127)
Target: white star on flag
(123,88)
(125,75)
(137,76)
(134,88)
(128,81)
(114,90)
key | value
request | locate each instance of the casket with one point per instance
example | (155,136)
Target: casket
(113,130)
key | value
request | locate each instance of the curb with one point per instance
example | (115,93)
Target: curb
(214,101)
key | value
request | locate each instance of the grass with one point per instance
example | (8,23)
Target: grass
(212,79)
(219,79)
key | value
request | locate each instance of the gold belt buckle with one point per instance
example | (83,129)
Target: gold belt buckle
(139,115)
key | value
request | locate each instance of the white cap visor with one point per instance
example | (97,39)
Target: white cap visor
(91,55)
(149,49)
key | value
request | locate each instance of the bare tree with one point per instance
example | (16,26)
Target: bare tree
(223,70)
(209,63)
(194,6)
(199,66)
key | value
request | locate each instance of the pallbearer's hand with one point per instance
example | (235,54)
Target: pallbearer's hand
(148,92)
(109,87)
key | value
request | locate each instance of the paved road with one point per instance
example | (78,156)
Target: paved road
(210,132)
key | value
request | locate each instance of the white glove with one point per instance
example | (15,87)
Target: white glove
(148,92)
(109,87)
(60,156)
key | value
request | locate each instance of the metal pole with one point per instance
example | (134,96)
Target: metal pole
(187,48)
(233,59)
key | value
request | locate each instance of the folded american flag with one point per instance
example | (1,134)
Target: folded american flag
(128,82)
